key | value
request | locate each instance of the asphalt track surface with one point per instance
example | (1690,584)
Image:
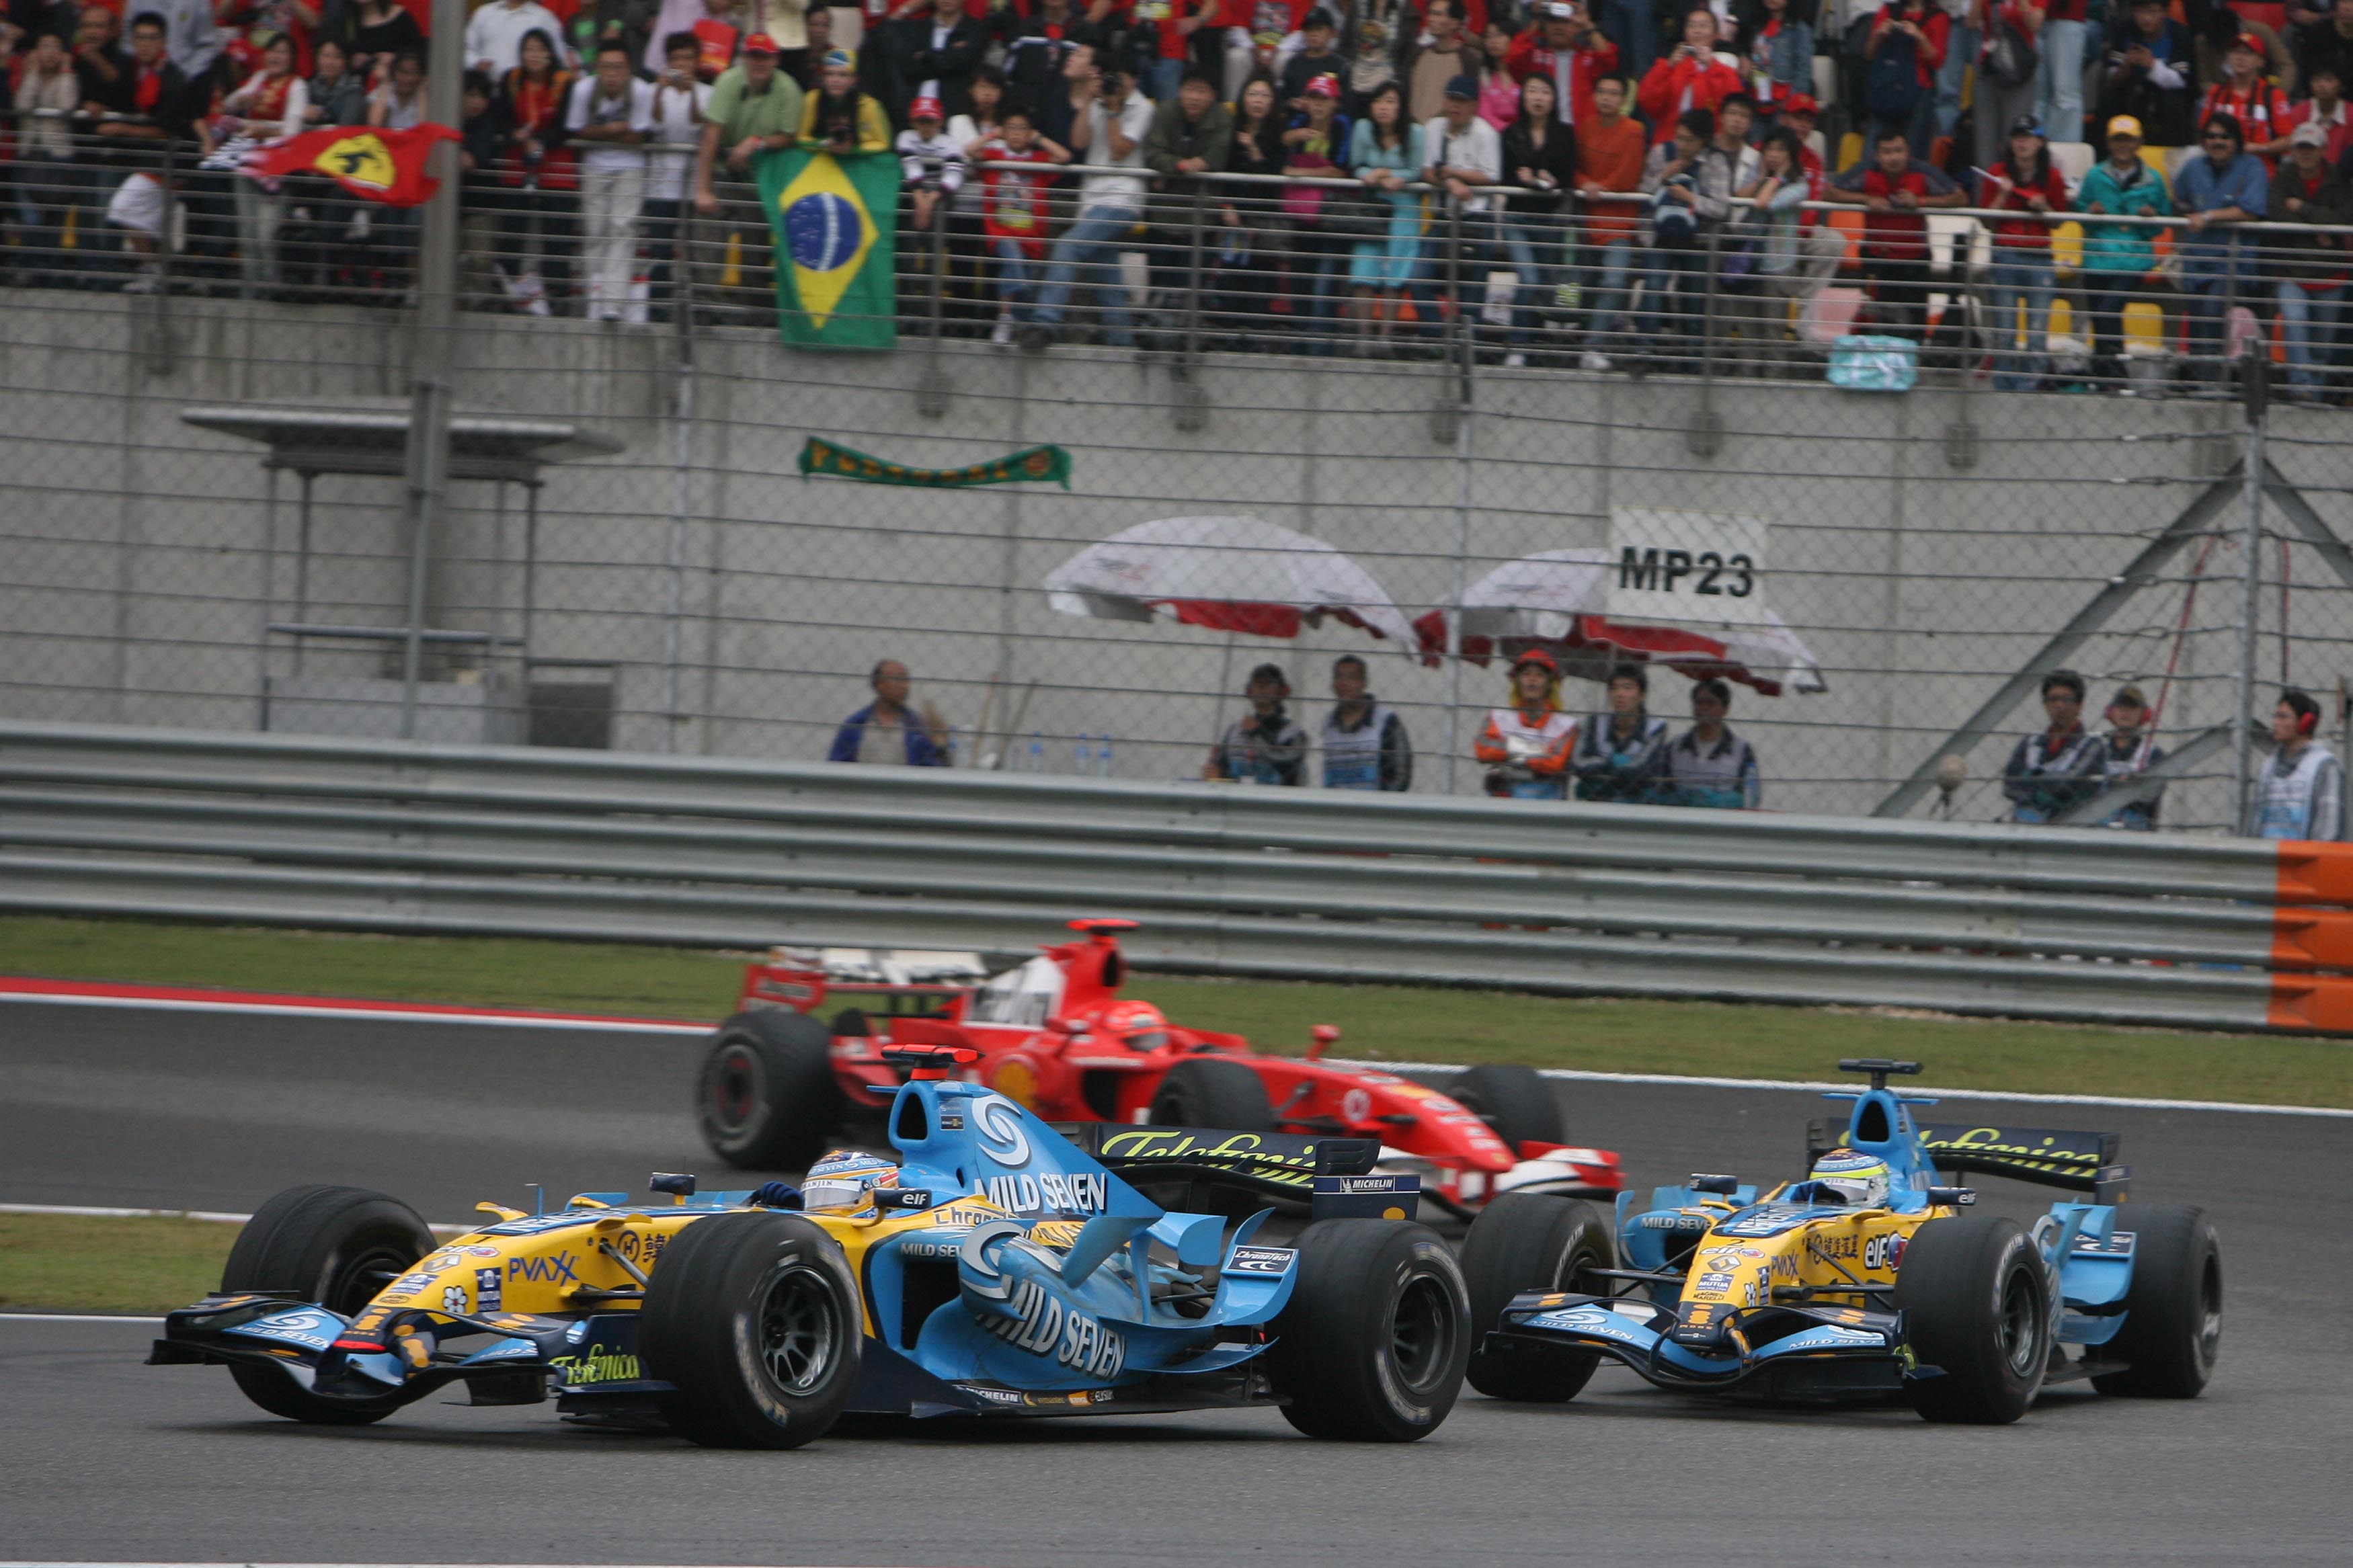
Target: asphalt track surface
(106,1460)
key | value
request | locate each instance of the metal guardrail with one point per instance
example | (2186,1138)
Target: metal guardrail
(385,836)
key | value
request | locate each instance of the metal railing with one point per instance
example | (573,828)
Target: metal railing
(1620,899)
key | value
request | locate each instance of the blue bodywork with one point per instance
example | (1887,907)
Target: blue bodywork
(1817,1346)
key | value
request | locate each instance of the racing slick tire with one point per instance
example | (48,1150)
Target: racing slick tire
(1224,1095)
(767,1097)
(1370,1347)
(1531,1241)
(1516,1101)
(2173,1313)
(754,1319)
(336,1246)
(1976,1301)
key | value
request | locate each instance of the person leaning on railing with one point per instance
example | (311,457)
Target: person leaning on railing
(1896,189)
(1540,158)
(1317,140)
(1609,153)
(1190,136)
(2223,186)
(1385,151)
(753,107)
(150,104)
(1247,259)
(1690,182)
(2309,269)
(2118,258)
(2024,183)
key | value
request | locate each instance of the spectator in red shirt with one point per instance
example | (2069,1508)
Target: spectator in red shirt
(2026,184)
(1798,116)
(2247,96)
(1691,78)
(1901,58)
(1567,49)
(1608,158)
(1896,189)
(2325,108)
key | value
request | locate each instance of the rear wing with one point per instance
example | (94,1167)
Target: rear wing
(895,981)
(2076,1161)
(1332,1176)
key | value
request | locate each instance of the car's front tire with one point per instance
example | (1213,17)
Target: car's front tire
(755,1321)
(1977,1305)
(336,1246)
(2172,1329)
(1532,1241)
(1371,1345)
(767,1097)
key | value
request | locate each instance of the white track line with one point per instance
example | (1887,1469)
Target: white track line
(1571,1074)
(1848,1086)
(398,1015)
(74,1318)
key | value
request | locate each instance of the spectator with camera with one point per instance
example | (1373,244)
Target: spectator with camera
(1265,745)
(1109,122)
(1568,50)
(2152,76)
(1710,765)
(2058,766)
(1690,181)
(1690,80)
(610,116)
(1903,56)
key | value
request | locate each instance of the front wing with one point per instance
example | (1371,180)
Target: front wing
(1806,1351)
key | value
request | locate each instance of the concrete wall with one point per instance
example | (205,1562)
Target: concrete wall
(1924,545)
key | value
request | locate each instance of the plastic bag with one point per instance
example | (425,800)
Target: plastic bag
(1867,364)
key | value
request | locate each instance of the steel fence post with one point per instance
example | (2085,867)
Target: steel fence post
(682,455)
(432,352)
(2258,385)
(1191,355)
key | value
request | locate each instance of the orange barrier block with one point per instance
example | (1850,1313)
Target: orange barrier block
(2314,873)
(2311,1002)
(2311,938)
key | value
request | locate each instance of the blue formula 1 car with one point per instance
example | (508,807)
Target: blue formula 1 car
(998,1268)
(1870,1278)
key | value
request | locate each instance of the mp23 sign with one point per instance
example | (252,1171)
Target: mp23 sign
(1687,567)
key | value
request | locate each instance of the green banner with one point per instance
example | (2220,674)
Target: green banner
(833,214)
(1040,464)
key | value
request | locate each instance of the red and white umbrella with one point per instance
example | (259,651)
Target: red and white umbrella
(1556,599)
(1228,573)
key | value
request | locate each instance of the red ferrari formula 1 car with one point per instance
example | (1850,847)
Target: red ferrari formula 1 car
(1055,1035)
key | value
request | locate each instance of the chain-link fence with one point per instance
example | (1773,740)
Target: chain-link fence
(206,523)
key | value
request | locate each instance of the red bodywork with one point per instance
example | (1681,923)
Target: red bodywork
(1056,1036)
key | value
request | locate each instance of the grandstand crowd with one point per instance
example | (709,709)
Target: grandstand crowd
(1617,184)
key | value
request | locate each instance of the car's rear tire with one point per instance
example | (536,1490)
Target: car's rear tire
(755,1321)
(1370,1347)
(1977,1304)
(1516,1101)
(2172,1329)
(336,1246)
(1531,1241)
(1204,1093)
(767,1097)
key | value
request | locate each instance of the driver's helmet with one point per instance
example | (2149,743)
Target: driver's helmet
(1139,1025)
(844,1182)
(1859,1179)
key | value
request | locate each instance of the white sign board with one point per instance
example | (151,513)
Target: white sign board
(1687,568)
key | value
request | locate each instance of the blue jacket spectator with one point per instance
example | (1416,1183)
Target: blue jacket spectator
(886,731)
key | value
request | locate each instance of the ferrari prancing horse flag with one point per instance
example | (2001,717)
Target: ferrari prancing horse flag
(385,166)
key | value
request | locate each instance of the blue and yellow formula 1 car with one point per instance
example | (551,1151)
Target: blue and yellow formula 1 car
(998,1268)
(1868,1279)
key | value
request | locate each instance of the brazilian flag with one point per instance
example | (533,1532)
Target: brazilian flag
(832,212)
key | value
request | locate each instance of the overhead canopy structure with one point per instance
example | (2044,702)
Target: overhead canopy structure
(1556,599)
(500,449)
(1227,574)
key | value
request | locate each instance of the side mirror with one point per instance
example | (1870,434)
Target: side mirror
(1953,1197)
(1701,1182)
(1327,1035)
(677,1185)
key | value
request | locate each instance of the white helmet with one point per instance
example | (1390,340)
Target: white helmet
(1861,1179)
(844,1182)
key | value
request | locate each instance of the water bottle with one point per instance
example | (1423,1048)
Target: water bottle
(1084,756)
(1037,751)
(1102,757)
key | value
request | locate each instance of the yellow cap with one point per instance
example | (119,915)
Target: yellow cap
(2124,125)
